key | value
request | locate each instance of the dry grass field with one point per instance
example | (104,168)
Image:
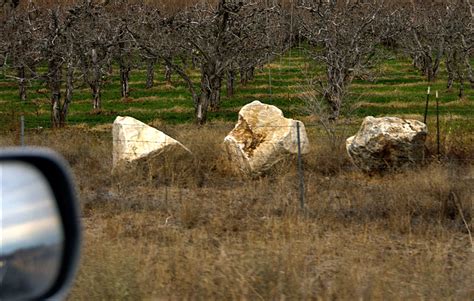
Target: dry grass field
(203,233)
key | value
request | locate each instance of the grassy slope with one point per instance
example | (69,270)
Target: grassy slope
(397,90)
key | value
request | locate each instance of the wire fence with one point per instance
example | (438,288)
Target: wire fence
(302,144)
(34,123)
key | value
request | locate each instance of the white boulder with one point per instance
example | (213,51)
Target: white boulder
(133,140)
(387,143)
(262,137)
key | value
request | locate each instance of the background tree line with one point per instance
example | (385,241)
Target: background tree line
(79,42)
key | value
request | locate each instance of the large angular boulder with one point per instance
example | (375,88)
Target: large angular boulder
(134,140)
(387,143)
(262,137)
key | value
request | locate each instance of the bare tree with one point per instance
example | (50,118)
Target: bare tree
(121,16)
(343,36)
(124,58)
(459,32)
(58,50)
(94,42)
(154,35)
(53,52)
(214,37)
(150,72)
(425,38)
(18,43)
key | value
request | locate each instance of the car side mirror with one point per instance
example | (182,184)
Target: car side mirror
(40,225)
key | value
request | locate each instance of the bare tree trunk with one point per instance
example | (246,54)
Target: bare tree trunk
(470,72)
(211,82)
(432,66)
(69,92)
(334,101)
(427,67)
(207,95)
(461,88)
(420,63)
(338,82)
(168,73)
(230,83)
(430,73)
(202,105)
(96,97)
(250,73)
(22,83)
(246,74)
(243,76)
(215,99)
(124,80)
(54,73)
(150,73)
(415,62)
(95,85)
(435,68)
(450,70)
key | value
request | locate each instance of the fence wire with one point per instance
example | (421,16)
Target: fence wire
(305,144)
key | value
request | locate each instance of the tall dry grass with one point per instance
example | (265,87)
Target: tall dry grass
(207,234)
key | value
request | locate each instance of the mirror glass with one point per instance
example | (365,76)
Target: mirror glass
(32,237)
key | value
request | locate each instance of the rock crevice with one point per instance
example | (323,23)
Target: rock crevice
(261,138)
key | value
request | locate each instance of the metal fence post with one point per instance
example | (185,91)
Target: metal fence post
(426,106)
(300,166)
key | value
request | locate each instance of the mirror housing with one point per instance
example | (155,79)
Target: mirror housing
(57,175)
